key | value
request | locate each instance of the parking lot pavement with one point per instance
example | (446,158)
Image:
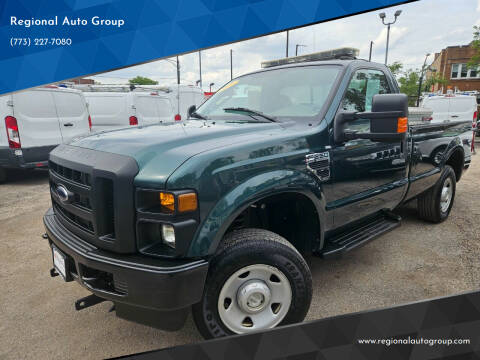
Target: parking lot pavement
(38,320)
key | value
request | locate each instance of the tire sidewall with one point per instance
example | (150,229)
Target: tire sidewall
(448,173)
(231,260)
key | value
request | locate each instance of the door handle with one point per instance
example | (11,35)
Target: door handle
(454,116)
(68,124)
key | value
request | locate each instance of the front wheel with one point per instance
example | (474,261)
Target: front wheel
(257,280)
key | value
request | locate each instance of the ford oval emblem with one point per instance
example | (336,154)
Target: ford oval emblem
(63,194)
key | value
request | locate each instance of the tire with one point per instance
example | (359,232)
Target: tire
(245,257)
(430,205)
(3,175)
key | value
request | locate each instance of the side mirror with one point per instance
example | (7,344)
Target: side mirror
(388,120)
(191,110)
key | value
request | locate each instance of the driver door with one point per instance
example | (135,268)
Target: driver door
(368,175)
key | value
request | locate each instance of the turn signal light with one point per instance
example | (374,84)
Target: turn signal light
(402,124)
(187,202)
(167,200)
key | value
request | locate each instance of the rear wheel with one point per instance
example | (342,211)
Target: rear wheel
(257,280)
(435,204)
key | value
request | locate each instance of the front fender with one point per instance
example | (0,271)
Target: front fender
(217,222)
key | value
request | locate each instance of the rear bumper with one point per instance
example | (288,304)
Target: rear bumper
(151,291)
(25,158)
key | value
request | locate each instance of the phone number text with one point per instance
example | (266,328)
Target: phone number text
(26,42)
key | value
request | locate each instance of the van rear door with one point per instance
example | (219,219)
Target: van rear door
(38,124)
(108,110)
(165,109)
(72,113)
(462,108)
(440,107)
(146,108)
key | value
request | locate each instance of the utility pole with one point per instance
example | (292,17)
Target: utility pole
(421,79)
(296,48)
(287,45)
(200,65)
(383,16)
(178,71)
(370,56)
(231,64)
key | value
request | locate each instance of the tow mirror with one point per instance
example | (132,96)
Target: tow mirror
(191,110)
(388,120)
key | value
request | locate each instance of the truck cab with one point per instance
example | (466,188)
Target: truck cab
(308,156)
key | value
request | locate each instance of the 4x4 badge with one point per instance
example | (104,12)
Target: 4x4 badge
(319,164)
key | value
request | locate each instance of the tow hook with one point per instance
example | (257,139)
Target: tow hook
(88,301)
(53,272)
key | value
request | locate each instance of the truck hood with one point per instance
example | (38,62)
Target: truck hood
(160,149)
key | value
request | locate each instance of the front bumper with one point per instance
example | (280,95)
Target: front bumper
(156,292)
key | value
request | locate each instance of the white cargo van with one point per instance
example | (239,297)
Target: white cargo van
(33,122)
(114,107)
(114,110)
(451,107)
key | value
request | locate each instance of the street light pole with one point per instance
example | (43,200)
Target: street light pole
(383,16)
(421,79)
(231,64)
(287,45)
(370,56)
(200,65)
(178,71)
(211,84)
(296,48)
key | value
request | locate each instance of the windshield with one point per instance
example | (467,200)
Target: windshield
(296,93)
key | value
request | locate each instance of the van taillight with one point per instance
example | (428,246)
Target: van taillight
(178,117)
(475,116)
(12,132)
(89,122)
(133,120)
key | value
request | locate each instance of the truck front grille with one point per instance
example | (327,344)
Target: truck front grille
(91,181)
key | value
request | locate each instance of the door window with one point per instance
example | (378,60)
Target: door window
(358,98)
(363,86)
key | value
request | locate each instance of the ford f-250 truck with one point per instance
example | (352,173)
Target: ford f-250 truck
(308,155)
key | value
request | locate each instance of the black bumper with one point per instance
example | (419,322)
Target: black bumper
(151,291)
(30,157)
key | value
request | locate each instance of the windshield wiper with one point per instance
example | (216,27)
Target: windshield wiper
(197,116)
(252,112)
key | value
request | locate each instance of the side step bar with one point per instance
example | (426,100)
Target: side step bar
(360,236)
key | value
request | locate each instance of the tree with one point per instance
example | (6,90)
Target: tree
(140,80)
(435,79)
(475,60)
(396,68)
(409,81)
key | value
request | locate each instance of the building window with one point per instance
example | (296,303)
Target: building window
(455,71)
(462,71)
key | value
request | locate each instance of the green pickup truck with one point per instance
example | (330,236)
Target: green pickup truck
(307,156)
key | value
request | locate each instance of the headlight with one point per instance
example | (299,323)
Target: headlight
(168,235)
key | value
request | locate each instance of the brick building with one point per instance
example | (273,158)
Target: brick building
(82,81)
(451,63)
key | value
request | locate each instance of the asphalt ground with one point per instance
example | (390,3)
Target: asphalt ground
(37,317)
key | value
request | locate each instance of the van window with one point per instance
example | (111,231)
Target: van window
(147,106)
(36,104)
(164,107)
(106,105)
(438,105)
(69,103)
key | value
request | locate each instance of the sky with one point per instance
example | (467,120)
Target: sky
(426,26)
